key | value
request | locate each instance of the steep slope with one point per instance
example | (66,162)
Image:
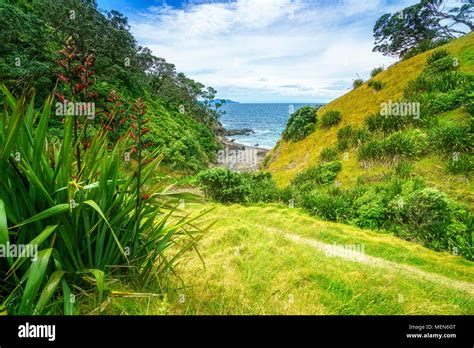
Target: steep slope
(290,158)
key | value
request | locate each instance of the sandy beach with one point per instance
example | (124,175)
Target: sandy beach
(240,157)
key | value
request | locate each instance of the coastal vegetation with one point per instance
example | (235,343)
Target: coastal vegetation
(109,173)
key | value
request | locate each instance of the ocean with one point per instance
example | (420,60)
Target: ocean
(268,121)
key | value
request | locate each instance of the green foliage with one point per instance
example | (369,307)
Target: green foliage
(357,83)
(183,120)
(424,46)
(387,123)
(223,185)
(326,206)
(376,85)
(330,118)
(403,169)
(420,27)
(410,144)
(328,154)
(226,186)
(347,136)
(84,219)
(460,164)
(322,174)
(427,215)
(262,187)
(300,124)
(370,210)
(376,71)
(452,138)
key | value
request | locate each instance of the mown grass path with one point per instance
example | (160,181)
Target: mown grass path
(357,256)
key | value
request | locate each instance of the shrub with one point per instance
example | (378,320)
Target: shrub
(300,124)
(223,185)
(427,216)
(328,207)
(357,83)
(323,174)
(403,169)
(386,124)
(437,55)
(376,71)
(409,144)
(328,154)
(452,138)
(375,84)
(348,136)
(461,164)
(330,118)
(370,210)
(261,187)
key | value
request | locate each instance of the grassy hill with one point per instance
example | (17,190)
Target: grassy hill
(271,259)
(290,158)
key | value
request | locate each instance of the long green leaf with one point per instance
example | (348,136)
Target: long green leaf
(48,291)
(53,211)
(4,238)
(97,208)
(35,279)
(33,244)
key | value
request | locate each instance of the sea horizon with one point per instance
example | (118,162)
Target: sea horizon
(266,120)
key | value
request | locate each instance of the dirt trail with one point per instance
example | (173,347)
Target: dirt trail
(357,256)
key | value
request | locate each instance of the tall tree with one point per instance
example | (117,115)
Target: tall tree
(425,23)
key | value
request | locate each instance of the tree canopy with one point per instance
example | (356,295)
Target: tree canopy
(427,24)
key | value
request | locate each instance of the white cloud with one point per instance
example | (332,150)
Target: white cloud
(253,50)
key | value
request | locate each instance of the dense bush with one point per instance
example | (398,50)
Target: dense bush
(348,136)
(322,174)
(460,164)
(370,210)
(357,83)
(261,187)
(452,138)
(376,71)
(223,185)
(91,214)
(375,84)
(328,154)
(387,123)
(326,206)
(300,124)
(410,144)
(227,186)
(330,118)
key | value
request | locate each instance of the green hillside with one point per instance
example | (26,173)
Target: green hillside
(290,158)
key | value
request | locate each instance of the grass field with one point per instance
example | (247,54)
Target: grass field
(275,260)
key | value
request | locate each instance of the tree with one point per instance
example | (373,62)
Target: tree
(424,24)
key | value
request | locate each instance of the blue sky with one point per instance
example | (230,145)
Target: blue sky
(263,50)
